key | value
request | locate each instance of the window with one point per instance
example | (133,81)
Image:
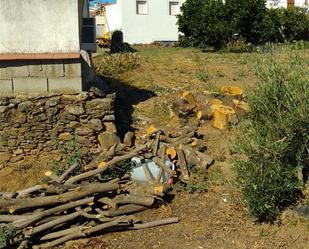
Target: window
(141,8)
(174,8)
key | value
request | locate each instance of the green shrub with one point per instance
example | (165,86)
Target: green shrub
(274,140)
(115,64)
(204,23)
(217,23)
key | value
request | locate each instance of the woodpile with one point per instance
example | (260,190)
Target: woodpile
(82,202)
(221,108)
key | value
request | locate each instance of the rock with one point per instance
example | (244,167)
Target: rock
(107,140)
(110,127)
(24,106)
(51,111)
(15,159)
(84,131)
(18,151)
(12,142)
(76,109)
(109,118)
(95,124)
(105,104)
(129,139)
(4,109)
(84,141)
(65,136)
(5,156)
(18,117)
(74,124)
(52,102)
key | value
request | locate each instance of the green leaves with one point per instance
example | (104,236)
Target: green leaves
(275,138)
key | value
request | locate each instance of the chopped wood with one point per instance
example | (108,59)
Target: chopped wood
(161,163)
(154,223)
(185,175)
(108,164)
(189,98)
(66,173)
(62,233)
(53,176)
(19,204)
(171,153)
(122,210)
(23,193)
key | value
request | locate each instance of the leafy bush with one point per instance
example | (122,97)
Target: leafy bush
(274,140)
(115,64)
(216,23)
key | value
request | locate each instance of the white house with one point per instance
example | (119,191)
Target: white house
(287,3)
(144,21)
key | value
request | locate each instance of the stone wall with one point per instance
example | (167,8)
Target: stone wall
(34,125)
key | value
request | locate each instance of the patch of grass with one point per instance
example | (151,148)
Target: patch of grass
(116,64)
(7,234)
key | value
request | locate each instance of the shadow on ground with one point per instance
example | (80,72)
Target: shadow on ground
(126,97)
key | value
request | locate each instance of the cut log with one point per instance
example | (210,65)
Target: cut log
(171,153)
(189,98)
(23,193)
(122,210)
(38,216)
(154,223)
(68,171)
(167,169)
(19,204)
(52,176)
(196,158)
(185,175)
(109,164)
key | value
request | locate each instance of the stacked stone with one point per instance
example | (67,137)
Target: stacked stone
(34,125)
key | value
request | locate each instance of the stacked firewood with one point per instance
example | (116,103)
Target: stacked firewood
(83,202)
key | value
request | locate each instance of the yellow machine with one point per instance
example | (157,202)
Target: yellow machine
(103,37)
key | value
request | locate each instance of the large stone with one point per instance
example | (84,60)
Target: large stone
(5,156)
(110,127)
(52,102)
(103,105)
(84,141)
(107,140)
(84,131)
(4,109)
(66,136)
(75,109)
(24,106)
(18,117)
(95,124)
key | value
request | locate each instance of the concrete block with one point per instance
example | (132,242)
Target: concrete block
(73,69)
(30,84)
(12,69)
(65,84)
(6,86)
(47,69)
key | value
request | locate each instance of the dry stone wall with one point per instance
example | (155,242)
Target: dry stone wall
(34,125)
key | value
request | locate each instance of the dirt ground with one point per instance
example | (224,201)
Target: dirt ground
(216,218)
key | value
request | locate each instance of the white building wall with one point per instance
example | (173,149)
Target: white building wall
(39,26)
(284,3)
(114,16)
(157,25)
